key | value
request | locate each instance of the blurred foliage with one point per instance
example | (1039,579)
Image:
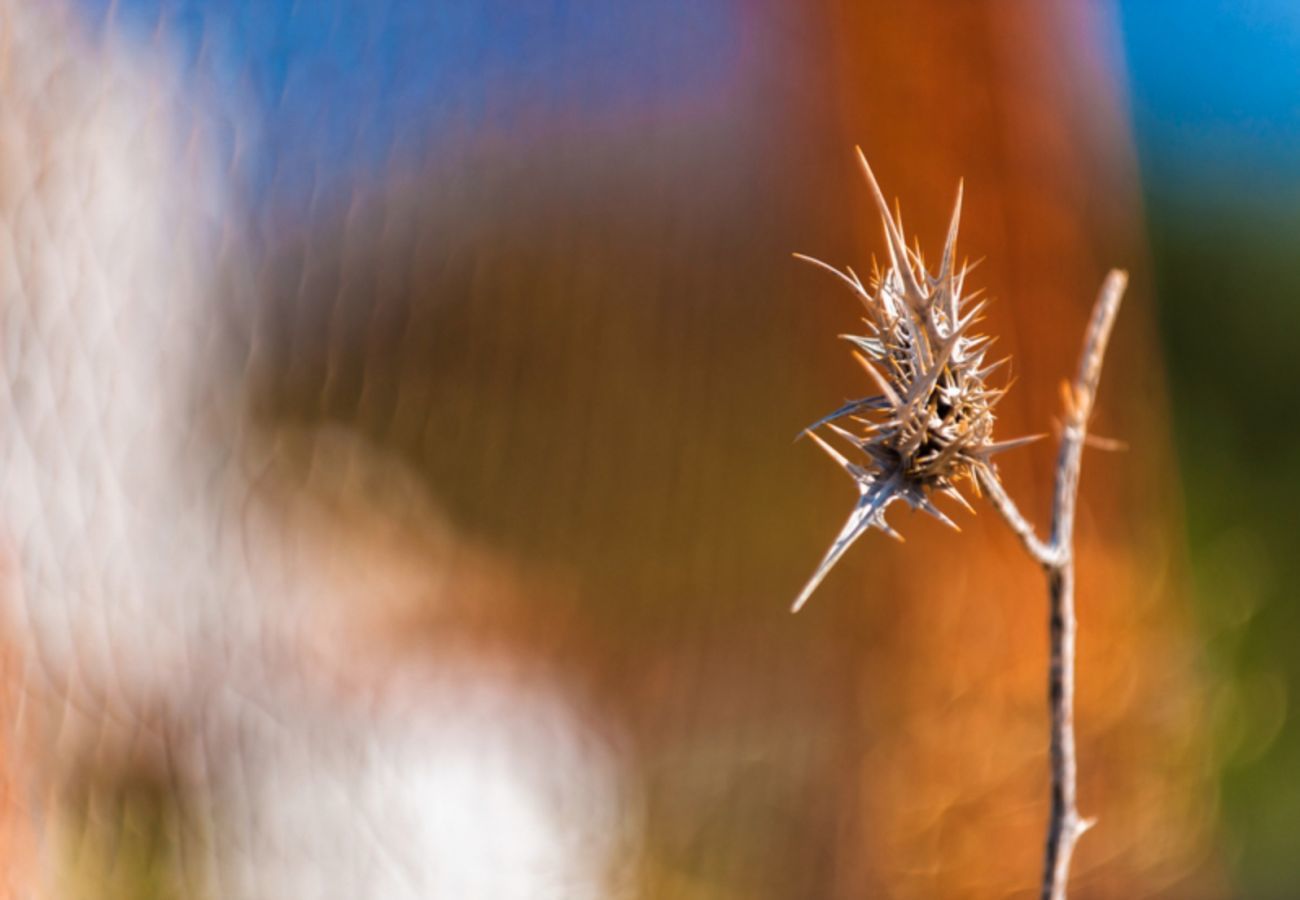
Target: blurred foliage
(1228,271)
(1213,92)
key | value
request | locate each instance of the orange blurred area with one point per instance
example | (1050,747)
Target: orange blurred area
(442,543)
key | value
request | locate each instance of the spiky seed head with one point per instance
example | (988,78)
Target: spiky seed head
(930,424)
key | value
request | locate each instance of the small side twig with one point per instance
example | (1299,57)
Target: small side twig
(1056,556)
(1043,554)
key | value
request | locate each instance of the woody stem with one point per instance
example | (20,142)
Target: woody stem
(1056,556)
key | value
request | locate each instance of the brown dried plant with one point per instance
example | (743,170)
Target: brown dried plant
(930,428)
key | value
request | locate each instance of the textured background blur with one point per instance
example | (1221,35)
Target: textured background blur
(397,480)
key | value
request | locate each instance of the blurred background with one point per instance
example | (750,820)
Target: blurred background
(1214,99)
(399,490)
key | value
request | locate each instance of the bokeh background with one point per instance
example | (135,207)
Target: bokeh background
(1213,95)
(487,450)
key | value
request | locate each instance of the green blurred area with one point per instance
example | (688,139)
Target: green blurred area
(1228,273)
(1214,90)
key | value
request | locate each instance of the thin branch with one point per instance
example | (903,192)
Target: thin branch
(1057,558)
(1079,411)
(1042,553)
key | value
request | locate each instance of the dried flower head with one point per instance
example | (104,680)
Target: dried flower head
(931,425)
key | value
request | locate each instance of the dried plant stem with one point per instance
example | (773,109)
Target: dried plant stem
(1057,559)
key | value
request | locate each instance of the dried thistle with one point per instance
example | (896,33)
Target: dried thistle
(931,425)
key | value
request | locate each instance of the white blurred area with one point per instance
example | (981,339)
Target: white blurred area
(223,616)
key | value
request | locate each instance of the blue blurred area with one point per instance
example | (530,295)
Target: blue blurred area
(346,88)
(1215,89)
